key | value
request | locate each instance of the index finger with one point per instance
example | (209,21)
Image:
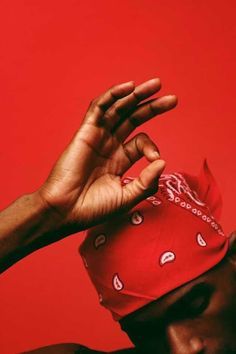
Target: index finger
(99,105)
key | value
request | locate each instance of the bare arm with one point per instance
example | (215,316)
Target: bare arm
(84,187)
(25,226)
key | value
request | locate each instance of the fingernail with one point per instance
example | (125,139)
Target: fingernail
(173,97)
(169,100)
(156,154)
(128,83)
(154,79)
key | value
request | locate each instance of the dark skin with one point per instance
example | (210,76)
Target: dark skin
(92,165)
(197,318)
(84,187)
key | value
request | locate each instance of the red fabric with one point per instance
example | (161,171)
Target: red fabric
(167,240)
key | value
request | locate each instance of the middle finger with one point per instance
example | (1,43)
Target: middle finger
(120,109)
(143,113)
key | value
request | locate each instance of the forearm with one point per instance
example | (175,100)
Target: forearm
(26,225)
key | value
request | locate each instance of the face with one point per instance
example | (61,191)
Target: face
(199,317)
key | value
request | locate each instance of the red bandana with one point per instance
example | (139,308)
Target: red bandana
(167,240)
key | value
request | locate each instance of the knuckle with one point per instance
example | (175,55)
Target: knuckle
(141,186)
(142,136)
(112,91)
(134,121)
(93,103)
(113,87)
(116,107)
(136,96)
(132,158)
(153,110)
(113,112)
(107,115)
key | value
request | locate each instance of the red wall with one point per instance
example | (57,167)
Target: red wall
(55,57)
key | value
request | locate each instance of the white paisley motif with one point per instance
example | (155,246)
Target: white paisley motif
(200,240)
(167,257)
(136,218)
(117,283)
(176,184)
(100,240)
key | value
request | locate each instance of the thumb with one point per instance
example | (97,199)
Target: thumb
(144,185)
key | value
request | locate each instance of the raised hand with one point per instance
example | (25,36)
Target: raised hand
(85,186)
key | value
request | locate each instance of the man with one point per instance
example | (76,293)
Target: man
(85,189)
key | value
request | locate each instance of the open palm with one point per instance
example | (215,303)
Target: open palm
(85,184)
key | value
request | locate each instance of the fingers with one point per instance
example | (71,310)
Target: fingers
(119,109)
(123,107)
(139,146)
(111,107)
(144,185)
(147,182)
(143,113)
(99,105)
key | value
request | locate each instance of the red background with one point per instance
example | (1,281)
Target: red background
(55,57)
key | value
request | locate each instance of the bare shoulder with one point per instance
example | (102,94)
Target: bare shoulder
(64,348)
(72,348)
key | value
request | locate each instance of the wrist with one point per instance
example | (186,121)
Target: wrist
(26,225)
(38,223)
(44,209)
(56,222)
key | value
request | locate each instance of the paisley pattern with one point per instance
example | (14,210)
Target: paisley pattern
(168,239)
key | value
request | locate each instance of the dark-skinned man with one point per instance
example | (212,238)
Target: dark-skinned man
(85,189)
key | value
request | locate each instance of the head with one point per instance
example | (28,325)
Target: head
(197,318)
(165,271)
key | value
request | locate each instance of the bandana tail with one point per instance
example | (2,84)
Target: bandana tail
(207,189)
